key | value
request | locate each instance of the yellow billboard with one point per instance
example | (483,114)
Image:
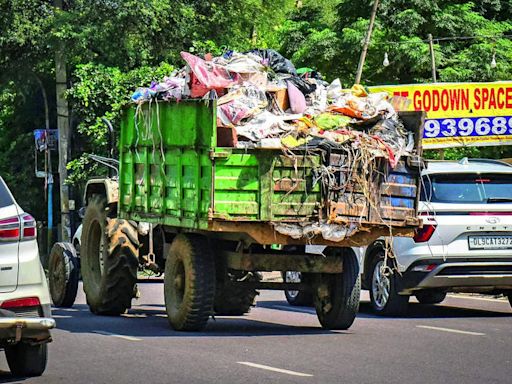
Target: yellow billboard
(458,114)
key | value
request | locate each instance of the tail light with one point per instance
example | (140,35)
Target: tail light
(10,229)
(29,227)
(17,228)
(24,302)
(425,233)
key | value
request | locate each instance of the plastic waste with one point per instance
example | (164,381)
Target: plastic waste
(270,143)
(292,142)
(241,103)
(330,232)
(336,233)
(142,94)
(244,63)
(296,98)
(305,86)
(334,90)
(358,90)
(317,101)
(263,125)
(329,121)
(275,60)
(208,75)
(170,88)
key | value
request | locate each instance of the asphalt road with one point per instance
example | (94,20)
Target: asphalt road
(463,340)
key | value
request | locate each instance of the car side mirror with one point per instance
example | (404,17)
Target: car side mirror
(81,212)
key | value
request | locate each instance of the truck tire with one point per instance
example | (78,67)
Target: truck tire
(189,282)
(430,297)
(27,360)
(296,298)
(109,260)
(235,300)
(337,295)
(384,297)
(63,274)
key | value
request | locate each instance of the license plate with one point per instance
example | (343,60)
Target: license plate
(490,242)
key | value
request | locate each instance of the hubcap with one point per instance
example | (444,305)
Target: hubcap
(58,277)
(380,286)
(292,277)
(179,283)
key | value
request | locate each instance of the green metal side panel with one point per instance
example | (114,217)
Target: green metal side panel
(293,193)
(165,166)
(237,186)
(264,185)
(171,172)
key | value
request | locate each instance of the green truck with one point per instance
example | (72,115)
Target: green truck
(212,218)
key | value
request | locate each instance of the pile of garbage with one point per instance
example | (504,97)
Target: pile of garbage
(263,101)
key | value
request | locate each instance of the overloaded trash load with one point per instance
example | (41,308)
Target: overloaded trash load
(263,103)
(263,99)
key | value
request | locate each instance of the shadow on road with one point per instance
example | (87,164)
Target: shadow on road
(422,311)
(415,311)
(7,377)
(151,321)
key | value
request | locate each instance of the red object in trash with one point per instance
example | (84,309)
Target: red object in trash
(206,75)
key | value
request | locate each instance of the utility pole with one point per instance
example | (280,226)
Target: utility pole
(433,57)
(47,169)
(367,39)
(63,127)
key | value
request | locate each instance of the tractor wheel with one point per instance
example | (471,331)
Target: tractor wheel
(63,274)
(235,300)
(109,260)
(189,282)
(337,295)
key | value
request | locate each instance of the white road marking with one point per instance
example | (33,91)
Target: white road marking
(130,338)
(504,301)
(273,369)
(67,309)
(450,330)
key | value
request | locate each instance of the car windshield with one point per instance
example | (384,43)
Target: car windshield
(5,196)
(467,188)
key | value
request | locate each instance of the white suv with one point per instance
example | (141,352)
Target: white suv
(465,244)
(25,317)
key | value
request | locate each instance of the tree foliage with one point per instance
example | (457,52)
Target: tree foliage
(113,46)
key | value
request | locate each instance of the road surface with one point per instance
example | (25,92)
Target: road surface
(463,340)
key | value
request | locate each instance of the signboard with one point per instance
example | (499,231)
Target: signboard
(459,114)
(46,139)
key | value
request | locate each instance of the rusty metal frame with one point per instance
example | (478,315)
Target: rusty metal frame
(264,233)
(283,262)
(274,286)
